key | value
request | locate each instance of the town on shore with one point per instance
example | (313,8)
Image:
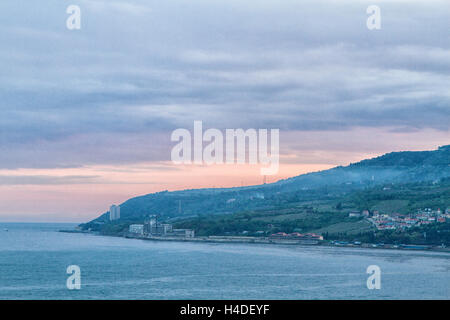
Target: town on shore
(152,229)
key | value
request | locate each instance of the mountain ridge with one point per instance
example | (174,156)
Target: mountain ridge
(393,167)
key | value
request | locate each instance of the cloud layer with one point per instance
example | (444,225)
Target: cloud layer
(109,95)
(114,90)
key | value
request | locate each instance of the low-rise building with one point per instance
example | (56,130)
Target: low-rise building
(136,229)
(153,228)
(355,214)
(185,233)
(296,236)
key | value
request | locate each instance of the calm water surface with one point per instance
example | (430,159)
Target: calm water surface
(34,258)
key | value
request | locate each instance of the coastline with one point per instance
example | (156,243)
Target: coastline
(268,241)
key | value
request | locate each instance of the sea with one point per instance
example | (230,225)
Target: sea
(34,260)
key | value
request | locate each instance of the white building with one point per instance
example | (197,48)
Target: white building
(114,212)
(354,214)
(186,233)
(136,228)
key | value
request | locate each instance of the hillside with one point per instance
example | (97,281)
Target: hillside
(327,215)
(319,191)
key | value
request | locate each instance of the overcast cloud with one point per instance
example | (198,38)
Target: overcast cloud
(112,92)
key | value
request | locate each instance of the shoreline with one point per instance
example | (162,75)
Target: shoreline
(268,241)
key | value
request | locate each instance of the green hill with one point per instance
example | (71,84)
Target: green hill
(327,215)
(370,184)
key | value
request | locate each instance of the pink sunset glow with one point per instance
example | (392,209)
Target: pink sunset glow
(80,194)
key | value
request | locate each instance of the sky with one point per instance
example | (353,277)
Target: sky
(87,115)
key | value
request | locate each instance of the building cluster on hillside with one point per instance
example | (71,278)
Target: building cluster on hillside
(296,236)
(403,221)
(152,228)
